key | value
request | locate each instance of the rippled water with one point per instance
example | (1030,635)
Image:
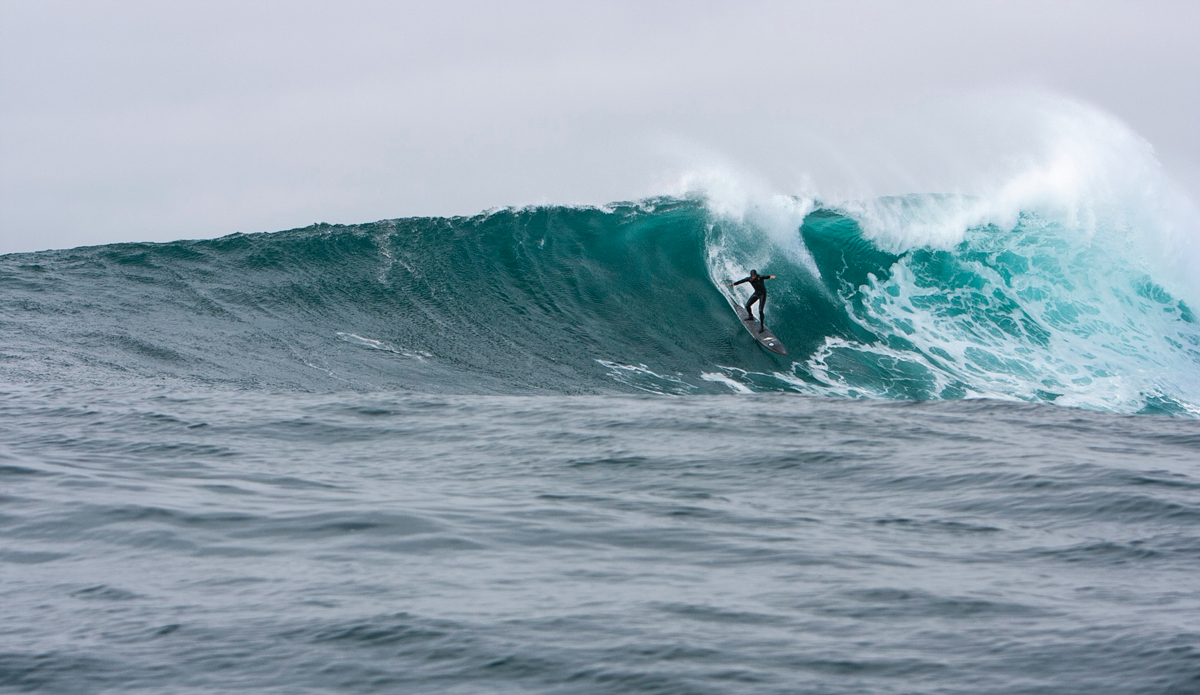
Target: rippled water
(206,541)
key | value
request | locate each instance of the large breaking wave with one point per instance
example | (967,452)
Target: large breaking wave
(1067,281)
(570,300)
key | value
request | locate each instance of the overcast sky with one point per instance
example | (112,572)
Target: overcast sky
(132,121)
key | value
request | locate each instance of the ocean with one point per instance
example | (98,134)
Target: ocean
(535,451)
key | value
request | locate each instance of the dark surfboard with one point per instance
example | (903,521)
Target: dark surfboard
(764,337)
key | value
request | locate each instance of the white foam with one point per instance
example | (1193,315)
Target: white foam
(1069,163)
(641,377)
(743,201)
(373,344)
(723,379)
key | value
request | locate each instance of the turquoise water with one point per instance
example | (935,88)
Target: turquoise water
(602,300)
(534,450)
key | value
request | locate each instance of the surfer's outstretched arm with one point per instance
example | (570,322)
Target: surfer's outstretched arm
(740,281)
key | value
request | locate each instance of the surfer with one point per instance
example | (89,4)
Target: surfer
(760,295)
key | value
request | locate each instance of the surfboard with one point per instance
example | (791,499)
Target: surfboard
(765,337)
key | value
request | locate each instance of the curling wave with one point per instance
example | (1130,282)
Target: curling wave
(626,297)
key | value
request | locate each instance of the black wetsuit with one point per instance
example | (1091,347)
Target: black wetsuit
(759,284)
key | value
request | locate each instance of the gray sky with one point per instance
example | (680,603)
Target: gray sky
(129,121)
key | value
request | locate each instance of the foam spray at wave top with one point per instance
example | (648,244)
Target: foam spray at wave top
(1069,277)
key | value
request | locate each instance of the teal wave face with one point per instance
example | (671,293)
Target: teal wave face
(629,297)
(530,300)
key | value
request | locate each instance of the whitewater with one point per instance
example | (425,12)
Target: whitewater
(534,450)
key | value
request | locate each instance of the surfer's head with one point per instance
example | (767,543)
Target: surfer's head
(753,273)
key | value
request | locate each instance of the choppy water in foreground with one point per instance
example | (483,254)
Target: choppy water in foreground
(202,540)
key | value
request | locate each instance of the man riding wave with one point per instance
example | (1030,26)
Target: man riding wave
(760,295)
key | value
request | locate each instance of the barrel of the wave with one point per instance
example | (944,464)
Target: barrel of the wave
(758,329)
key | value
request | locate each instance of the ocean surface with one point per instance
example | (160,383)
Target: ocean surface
(534,451)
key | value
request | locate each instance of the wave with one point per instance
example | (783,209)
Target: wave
(629,297)
(1066,276)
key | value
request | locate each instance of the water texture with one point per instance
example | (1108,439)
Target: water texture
(534,450)
(221,542)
